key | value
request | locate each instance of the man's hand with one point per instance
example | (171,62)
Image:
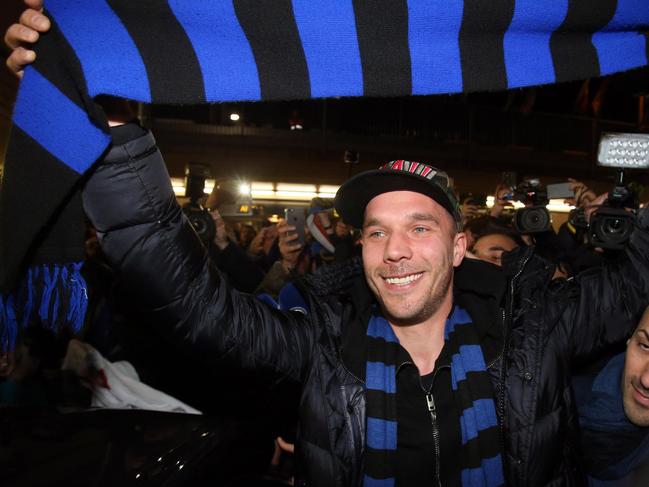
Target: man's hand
(256,246)
(583,196)
(289,247)
(469,211)
(220,237)
(593,205)
(269,239)
(19,37)
(499,200)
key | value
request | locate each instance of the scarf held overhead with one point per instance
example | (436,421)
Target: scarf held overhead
(202,51)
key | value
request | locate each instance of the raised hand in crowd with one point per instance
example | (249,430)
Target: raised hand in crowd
(21,35)
(289,247)
(499,200)
(270,237)
(584,196)
(256,246)
(221,239)
(593,204)
(469,210)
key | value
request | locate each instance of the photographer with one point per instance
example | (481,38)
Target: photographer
(573,234)
(534,222)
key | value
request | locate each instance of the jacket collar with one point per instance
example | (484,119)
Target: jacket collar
(479,288)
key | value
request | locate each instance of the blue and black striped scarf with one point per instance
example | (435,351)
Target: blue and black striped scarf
(208,51)
(482,462)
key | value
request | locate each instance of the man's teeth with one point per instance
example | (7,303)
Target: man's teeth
(400,281)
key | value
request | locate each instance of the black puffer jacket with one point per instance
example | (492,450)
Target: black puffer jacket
(533,329)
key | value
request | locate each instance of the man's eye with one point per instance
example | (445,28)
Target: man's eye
(375,234)
(421,229)
(644,346)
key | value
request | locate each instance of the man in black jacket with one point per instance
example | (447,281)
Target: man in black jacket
(468,382)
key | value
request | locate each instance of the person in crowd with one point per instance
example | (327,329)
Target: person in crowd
(429,369)
(232,260)
(292,262)
(547,243)
(490,246)
(572,236)
(345,241)
(250,239)
(320,233)
(475,227)
(613,410)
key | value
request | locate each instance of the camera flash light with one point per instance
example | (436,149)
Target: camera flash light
(627,151)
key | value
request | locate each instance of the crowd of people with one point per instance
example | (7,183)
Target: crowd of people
(409,340)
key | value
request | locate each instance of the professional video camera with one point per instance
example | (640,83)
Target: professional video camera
(199,217)
(612,223)
(535,217)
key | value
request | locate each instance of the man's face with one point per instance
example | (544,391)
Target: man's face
(491,247)
(635,381)
(410,247)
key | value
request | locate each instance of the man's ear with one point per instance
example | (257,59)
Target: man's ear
(459,248)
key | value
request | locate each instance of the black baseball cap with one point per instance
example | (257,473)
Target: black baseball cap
(354,195)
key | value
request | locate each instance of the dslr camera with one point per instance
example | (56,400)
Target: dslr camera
(612,223)
(535,217)
(199,217)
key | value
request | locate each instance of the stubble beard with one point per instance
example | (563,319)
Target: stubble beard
(413,313)
(638,415)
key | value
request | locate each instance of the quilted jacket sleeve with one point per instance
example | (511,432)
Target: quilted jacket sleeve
(152,246)
(609,300)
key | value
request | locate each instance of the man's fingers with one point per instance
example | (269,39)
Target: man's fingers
(33,19)
(18,34)
(285,445)
(293,247)
(18,59)
(35,4)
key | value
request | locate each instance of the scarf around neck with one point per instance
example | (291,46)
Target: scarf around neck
(482,463)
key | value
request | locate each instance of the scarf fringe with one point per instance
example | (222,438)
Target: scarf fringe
(53,295)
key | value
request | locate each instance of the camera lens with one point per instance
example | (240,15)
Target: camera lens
(532,220)
(614,226)
(202,222)
(614,230)
(611,228)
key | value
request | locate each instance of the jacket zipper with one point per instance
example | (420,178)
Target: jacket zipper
(430,402)
(501,392)
(502,350)
(433,417)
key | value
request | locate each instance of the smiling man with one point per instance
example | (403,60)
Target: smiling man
(635,381)
(419,367)
(614,415)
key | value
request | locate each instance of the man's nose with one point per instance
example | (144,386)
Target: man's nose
(397,248)
(644,376)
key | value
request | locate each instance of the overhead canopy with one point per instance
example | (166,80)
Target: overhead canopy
(197,51)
